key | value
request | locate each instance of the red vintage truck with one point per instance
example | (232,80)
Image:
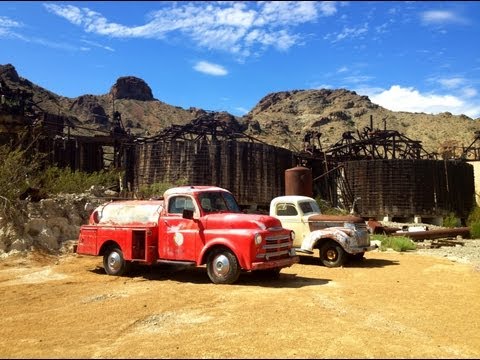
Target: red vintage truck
(191,225)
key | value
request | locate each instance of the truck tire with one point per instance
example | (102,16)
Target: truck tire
(332,254)
(222,267)
(114,262)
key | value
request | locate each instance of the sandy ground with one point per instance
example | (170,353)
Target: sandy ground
(390,305)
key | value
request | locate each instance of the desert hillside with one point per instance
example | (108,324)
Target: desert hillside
(280,119)
(285,117)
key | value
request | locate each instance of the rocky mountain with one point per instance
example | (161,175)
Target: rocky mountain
(281,118)
(284,117)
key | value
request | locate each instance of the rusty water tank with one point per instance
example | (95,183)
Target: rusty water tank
(298,181)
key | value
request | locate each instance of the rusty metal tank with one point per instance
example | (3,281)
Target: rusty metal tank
(298,181)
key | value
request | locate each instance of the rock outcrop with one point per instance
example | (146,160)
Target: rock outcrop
(49,223)
(89,108)
(8,72)
(133,88)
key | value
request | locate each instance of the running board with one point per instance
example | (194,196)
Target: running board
(303,251)
(176,262)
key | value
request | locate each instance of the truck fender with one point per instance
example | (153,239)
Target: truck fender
(221,242)
(315,238)
(107,244)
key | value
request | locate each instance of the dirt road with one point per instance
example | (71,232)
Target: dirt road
(391,305)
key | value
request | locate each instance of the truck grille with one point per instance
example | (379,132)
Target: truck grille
(276,246)
(361,226)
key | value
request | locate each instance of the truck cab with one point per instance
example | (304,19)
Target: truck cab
(191,225)
(337,237)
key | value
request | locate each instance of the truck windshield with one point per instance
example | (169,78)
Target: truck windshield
(217,201)
(309,207)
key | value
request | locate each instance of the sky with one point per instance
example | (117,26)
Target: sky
(226,56)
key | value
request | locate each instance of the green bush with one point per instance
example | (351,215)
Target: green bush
(451,221)
(473,221)
(474,215)
(156,190)
(475,230)
(56,180)
(327,209)
(17,173)
(397,243)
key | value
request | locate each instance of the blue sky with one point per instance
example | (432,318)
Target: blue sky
(226,56)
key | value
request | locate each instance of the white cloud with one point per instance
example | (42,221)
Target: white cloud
(356,79)
(342,69)
(328,8)
(347,33)
(235,27)
(210,69)
(241,110)
(324,86)
(469,92)
(451,83)
(93,43)
(409,99)
(5,22)
(6,27)
(441,17)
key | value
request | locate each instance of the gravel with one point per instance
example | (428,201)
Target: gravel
(468,253)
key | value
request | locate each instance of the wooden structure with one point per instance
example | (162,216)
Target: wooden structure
(210,152)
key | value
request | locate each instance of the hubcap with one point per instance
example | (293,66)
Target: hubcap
(331,254)
(221,266)
(114,262)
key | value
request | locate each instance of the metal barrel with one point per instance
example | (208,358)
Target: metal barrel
(298,181)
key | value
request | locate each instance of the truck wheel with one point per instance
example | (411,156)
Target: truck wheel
(222,267)
(332,254)
(114,263)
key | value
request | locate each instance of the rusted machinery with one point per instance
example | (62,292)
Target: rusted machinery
(385,173)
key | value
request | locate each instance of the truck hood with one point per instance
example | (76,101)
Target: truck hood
(241,221)
(319,222)
(336,218)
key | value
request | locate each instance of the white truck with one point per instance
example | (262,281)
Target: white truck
(337,237)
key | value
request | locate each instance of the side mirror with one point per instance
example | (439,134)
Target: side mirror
(187,214)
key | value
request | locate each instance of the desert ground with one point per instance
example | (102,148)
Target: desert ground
(390,305)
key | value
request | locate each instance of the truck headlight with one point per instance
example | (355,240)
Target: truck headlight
(292,235)
(258,239)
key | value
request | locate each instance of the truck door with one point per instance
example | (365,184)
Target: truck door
(290,218)
(177,236)
(87,243)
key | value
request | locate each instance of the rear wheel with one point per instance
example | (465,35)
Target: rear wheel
(223,267)
(114,263)
(332,254)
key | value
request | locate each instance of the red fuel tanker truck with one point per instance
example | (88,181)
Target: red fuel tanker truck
(191,225)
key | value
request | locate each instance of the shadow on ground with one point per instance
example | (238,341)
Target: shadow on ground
(198,275)
(364,263)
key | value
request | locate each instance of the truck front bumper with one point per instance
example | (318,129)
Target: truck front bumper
(360,249)
(281,263)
